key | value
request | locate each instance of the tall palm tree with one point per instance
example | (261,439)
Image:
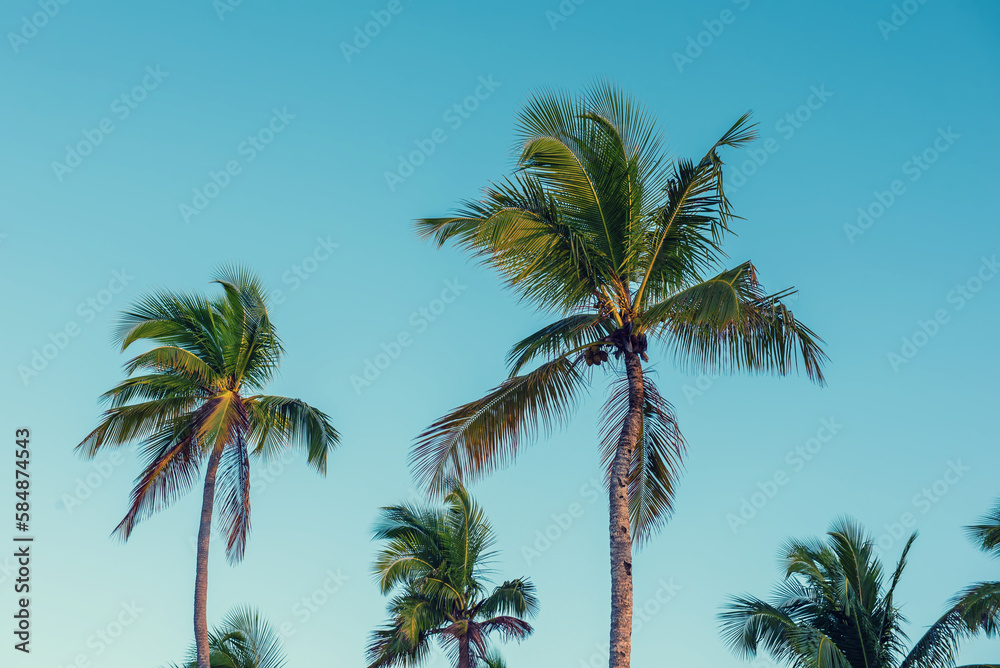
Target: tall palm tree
(434,560)
(195,400)
(623,246)
(243,640)
(835,608)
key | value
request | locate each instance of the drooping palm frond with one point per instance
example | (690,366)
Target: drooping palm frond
(979,606)
(485,434)
(656,459)
(280,422)
(514,597)
(570,333)
(986,534)
(728,324)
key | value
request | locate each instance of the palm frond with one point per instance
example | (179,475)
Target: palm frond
(986,534)
(656,459)
(728,323)
(486,434)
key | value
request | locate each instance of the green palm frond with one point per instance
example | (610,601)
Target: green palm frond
(280,422)
(244,639)
(979,606)
(514,597)
(570,333)
(729,324)
(485,435)
(986,534)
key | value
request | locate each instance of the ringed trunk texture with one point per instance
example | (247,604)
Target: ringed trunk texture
(621,535)
(201,573)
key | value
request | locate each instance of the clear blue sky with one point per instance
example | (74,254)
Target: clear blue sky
(314,213)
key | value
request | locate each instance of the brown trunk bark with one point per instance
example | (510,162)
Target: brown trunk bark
(201,575)
(621,537)
(464,652)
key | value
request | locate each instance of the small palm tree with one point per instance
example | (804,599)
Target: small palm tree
(434,561)
(835,608)
(195,401)
(244,640)
(624,247)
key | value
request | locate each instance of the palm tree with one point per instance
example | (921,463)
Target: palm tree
(195,401)
(835,608)
(623,246)
(244,640)
(980,602)
(434,560)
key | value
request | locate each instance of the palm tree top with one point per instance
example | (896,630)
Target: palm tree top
(836,608)
(435,562)
(196,391)
(624,244)
(244,639)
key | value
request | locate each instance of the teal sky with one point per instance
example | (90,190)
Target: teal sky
(300,133)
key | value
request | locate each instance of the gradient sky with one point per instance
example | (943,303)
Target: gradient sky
(314,214)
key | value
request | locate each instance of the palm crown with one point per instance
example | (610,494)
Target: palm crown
(244,640)
(836,608)
(624,245)
(198,398)
(434,561)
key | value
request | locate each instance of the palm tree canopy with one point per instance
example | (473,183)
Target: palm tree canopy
(197,390)
(244,640)
(836,608)
(623,244)
(434,561)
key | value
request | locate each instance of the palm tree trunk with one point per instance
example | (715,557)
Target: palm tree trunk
(201,575)
(621,538)
(464,652)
